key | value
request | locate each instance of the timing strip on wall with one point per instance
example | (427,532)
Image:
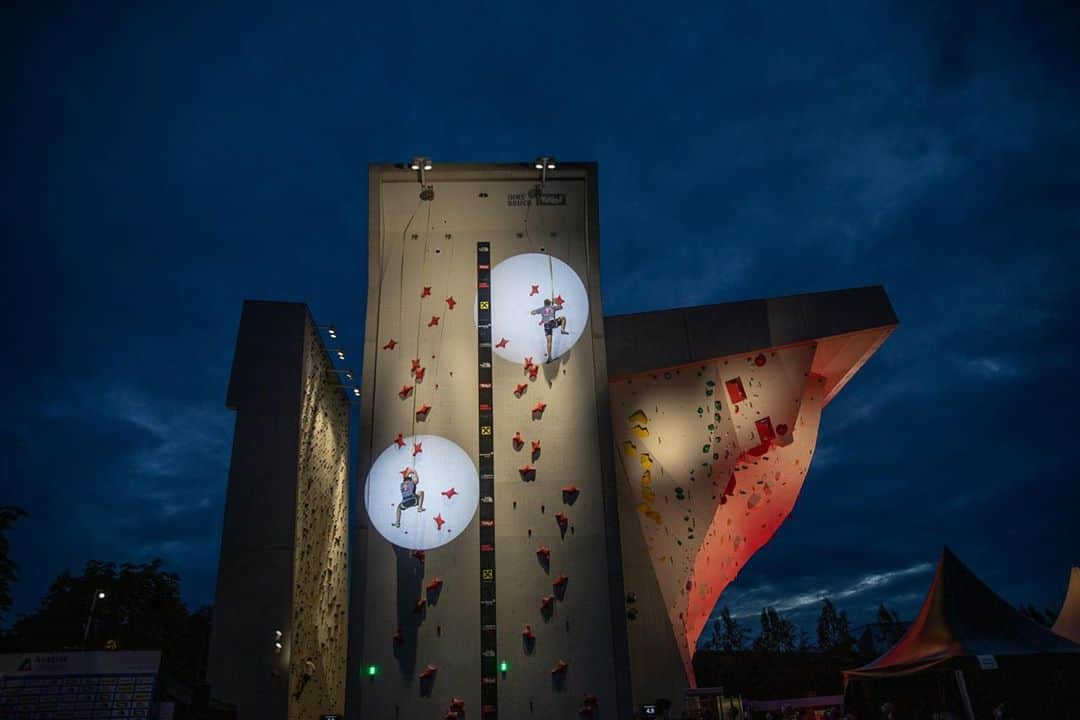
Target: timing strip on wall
(489,681)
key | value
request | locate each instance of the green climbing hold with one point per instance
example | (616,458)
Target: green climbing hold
(708,393)
(705,448)
(701,411)
(709,383)
(711,427)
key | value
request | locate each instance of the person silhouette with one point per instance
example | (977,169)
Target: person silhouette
(410,496)
(550,321)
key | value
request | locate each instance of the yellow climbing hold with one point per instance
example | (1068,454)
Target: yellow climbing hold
(646,478)
(640,431)
(655,517)
(647,494)
(646,461)
(629,447)
(644,507)
(638,417)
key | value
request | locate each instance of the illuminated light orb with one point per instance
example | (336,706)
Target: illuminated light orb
(514,282)
(442,466)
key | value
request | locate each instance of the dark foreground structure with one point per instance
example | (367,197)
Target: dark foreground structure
(550,501)
(968,652)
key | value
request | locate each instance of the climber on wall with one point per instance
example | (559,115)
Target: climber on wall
(410,496)
(547,317)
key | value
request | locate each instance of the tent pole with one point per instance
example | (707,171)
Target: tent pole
(962,686)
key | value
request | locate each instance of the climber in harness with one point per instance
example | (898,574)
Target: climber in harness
(550,322)
(410,496)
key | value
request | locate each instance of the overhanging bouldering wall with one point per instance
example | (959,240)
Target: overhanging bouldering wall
(487,541)
(714,456)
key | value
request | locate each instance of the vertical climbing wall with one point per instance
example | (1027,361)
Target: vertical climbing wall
(318,632)
(714,456)
(427,642)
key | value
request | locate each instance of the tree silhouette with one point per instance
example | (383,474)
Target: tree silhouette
(889,628)
(141,610)
(833,630)
(9,571)
(730,635)
(778,635)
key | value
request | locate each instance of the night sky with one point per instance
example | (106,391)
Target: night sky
(162,164)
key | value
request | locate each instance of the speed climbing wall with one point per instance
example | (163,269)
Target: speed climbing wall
(488,580)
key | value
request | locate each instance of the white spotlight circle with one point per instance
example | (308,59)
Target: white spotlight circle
(519,285)
(446,476)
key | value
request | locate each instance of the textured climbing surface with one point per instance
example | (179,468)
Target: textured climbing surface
(714,474)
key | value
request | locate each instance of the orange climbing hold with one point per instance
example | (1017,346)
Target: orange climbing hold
(428,672)
(560,582)
(546,602)
(520,389)
(570,490)
(422,411)
(434,585)
(538,408)
(527,471)
(543,552)
(404,391)
(536,446)
(517,440)
(560,667)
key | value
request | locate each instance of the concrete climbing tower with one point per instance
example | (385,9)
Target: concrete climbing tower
(279,638)
(487,576)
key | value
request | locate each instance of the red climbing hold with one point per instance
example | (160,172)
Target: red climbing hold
(526,470)
(420,555)
(450,493)
(559,300)
(399,440)
(533,371)
(404,391)
(781,429)
(730,489)
(439,522)
(536,446)
(560,517)
(535,290)
(517,440)
(560,581)
(415,366)
(428,672)
(570,490)
(560,667)
(405,472)
(419,606)
(546,602)
(543,552)
(760,360)
(451,302)
(434,585)
(434,321)
(521,388)
(502,343)
(538,408)
(390,345)
(398,638)
(457,704)
(426,291)
(528,363)
(417,448)
(420,375)
(527,633)
(422,411)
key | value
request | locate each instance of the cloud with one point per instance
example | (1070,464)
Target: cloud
(752,600)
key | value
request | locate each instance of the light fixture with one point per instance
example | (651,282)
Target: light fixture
(504,666)
(277,634)
(346,373)
(101,594)
(356,392)
(330,330)
(372,670)
(340,352)
(277,646)
(543,164)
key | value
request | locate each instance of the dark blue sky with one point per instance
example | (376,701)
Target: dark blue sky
(162,164)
